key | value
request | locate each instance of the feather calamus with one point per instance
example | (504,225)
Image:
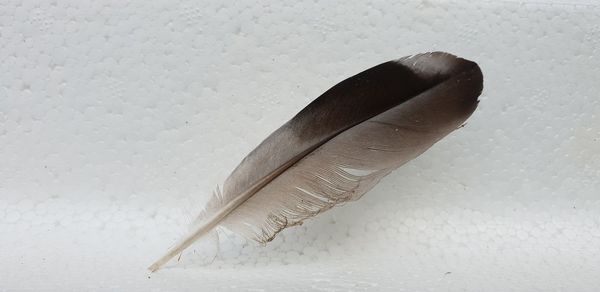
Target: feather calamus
(341,144)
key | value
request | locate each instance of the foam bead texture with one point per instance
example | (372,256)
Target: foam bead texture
(118,118)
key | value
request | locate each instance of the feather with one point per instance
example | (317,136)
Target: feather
(341,145)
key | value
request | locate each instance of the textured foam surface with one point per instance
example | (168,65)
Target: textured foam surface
(118,118)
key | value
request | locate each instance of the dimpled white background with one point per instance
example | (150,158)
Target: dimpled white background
(118,118)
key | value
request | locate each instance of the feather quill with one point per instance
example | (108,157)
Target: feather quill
(340,145)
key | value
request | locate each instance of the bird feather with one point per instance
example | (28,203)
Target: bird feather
(341,145)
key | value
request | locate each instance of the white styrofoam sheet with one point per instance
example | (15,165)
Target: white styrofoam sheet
(118,118)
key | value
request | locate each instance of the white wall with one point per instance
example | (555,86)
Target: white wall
(118,118)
